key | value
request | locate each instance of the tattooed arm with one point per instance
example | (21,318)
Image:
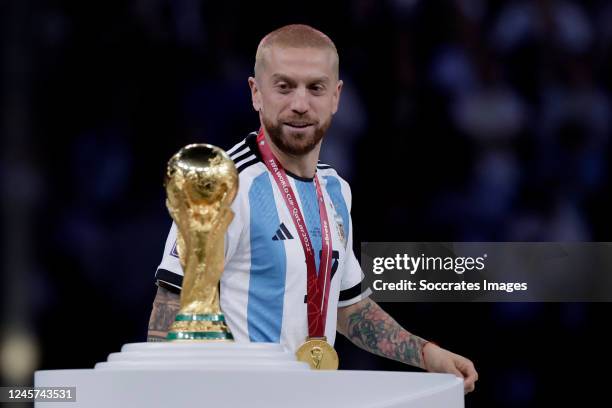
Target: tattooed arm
(165,307)
(372,329)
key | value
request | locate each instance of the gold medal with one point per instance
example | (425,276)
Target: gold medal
(318,353)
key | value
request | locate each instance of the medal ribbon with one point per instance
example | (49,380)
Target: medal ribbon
(317,286)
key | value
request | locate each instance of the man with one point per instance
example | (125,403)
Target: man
(290,271)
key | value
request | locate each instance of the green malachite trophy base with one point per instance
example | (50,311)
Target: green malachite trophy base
(204,327)
(199,336)
(207,317)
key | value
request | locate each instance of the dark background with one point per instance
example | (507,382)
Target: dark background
(465,120)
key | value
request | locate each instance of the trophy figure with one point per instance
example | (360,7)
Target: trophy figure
(201,183)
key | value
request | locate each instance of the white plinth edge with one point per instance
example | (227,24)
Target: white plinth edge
(232,375)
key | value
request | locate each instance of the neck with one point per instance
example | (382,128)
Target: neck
(302,166)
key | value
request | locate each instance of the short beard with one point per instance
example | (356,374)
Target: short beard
(291,144)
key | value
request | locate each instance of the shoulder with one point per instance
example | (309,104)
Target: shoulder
(247,159)
(333,181)
(326,171)
(245,153)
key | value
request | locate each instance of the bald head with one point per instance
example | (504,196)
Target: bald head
(294,36)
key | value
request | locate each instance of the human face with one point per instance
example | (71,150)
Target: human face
(296,93)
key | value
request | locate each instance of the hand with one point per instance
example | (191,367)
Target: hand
(439,360)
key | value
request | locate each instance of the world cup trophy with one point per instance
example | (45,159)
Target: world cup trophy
(201,183)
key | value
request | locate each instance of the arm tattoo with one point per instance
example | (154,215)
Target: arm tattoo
(372,329)
(165,307)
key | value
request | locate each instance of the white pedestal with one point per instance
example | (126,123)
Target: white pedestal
(220,375)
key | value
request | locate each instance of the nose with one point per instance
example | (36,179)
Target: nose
(299,102)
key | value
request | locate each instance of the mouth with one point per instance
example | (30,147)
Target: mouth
(298,125)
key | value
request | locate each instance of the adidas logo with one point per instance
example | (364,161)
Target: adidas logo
(282,233)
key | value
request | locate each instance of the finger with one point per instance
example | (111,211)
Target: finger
(466,372)
(469,383)
(468,369)
(468,386)
(471,373)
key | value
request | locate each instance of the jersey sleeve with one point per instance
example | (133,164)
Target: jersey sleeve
(351,290)
(169,273)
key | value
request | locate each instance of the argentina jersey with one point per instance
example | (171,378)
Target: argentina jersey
(263,287)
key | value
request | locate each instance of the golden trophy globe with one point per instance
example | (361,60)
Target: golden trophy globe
(201,184)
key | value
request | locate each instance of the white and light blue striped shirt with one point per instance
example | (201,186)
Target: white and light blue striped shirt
(263,287)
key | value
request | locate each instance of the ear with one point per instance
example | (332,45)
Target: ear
(336,97)
(255,94)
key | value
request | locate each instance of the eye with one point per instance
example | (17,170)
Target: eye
(283,87)
(317,89)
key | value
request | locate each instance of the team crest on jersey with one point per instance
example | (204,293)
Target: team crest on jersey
(339,225)
(340,228)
